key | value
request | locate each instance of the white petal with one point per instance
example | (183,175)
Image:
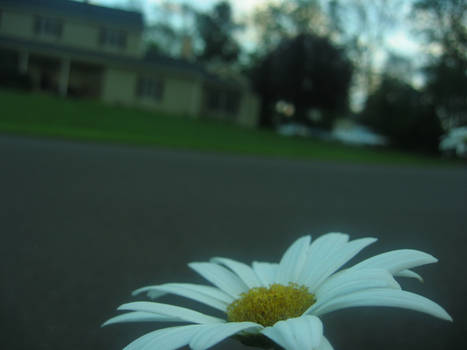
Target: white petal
(280,334)
(397,260)
(204,294)
(410,274)
(181,313)
(322,249)
(292,261)
(385,297)
(350,281)
(266,272)
(245,272)
(301,333)
(325,345)
(213,334)
(221,278)
(139,317)
(165,339)
(333,263)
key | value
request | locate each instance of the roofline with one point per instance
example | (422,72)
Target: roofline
(74,9)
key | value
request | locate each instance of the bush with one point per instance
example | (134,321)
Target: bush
(15,80)
(404,115)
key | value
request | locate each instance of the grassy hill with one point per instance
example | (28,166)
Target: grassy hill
(50,116)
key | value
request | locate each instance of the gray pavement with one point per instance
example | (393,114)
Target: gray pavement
(83,225)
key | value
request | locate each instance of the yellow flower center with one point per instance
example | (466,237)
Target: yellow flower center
(266,306)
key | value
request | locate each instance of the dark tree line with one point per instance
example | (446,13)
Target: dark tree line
(307,71)
(415,119)
(445,24)
(404,114)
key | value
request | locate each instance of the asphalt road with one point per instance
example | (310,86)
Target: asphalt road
(83,225)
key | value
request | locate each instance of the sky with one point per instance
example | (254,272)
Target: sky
(240,7)
(400,40)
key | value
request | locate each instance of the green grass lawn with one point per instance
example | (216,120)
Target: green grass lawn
(50,116)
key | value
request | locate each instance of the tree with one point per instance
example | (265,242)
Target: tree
(216,32)
(444,25)
(444,22)
(404,115)
(277,21)
(307,71)
(362,26)
(399,67)
(164,39)
(447,88)
(164,36)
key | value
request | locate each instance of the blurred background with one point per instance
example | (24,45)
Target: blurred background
(381,74)
(139,135)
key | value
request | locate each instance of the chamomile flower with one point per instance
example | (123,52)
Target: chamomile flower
(278,304)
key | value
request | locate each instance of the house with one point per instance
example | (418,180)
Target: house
(80,49)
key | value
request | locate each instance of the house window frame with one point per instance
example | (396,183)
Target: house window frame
(50,27)
(150,87)
(223,100)
(114,38)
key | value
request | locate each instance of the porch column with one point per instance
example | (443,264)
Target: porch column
(23,61)
(64,76)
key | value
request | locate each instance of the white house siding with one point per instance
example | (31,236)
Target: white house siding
(16,24)
(118,86)
(77,33)
(249,110)
(179,95)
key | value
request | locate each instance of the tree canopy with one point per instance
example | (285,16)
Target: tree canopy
(215,30)
(307,71)
(444,25)
(404,115)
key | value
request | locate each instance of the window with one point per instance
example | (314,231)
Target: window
(214,99)
(112,38)
(232,102)
(227,101)
(50,27)
(150,87)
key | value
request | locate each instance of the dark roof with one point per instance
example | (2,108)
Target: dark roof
(122,18)
(176,63)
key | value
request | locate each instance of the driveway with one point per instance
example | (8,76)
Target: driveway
(85,224)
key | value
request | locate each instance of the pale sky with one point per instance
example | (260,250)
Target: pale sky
(240,7)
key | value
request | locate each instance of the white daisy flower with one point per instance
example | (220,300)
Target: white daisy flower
(278,305)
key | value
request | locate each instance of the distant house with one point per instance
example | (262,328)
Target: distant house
(80,49)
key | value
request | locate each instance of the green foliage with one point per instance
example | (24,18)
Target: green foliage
(307,71)
(276,21)
(404,115)
(10,77)
(447,88)
(216,31)
(444,24)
